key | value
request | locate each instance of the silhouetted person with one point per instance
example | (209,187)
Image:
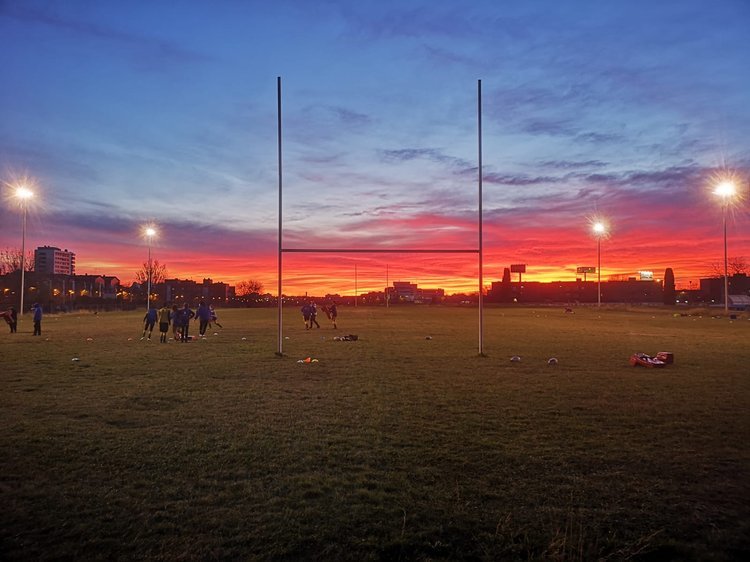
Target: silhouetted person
(203,314)
(313,315)
(333,314)
(148,322)
(176,322)
(11,318)
(306,312)
(186,315)
(214,318)
(37,318)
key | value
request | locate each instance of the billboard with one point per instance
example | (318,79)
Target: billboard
(646,275)
(585,270)
(518,268)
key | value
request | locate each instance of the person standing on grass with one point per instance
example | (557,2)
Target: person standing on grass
(214,318)
(203,315)
(165,315)
(333,314)
(306,311)
(37,318)
(313,315)
(176,323)
(148,322)
(186,315)
(11,318)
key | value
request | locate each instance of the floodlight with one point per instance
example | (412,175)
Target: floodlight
(726,189)
(23,193)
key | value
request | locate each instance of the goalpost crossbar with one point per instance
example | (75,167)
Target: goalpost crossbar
(375,251)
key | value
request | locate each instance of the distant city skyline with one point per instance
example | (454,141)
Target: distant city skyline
(64,264)
(123,115)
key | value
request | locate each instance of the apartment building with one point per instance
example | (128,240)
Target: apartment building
(52,260)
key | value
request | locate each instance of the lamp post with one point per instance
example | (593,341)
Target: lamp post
(149,232)
(725,190)
(600,230)
(23,194)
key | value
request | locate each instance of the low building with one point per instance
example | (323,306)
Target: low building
(404,291)
(712,288)
(632,291)
(739,302)
(187,290)
(93,286)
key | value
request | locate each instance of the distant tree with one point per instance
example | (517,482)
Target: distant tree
(245,288)
(670,295)
(158,273)
(735,265)
(10,260)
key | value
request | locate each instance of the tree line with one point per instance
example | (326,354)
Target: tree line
(10,261)
(159,275)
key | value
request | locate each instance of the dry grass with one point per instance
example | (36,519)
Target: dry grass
(391,447)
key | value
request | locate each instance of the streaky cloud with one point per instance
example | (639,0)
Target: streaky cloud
(519,179)
(599,138)
(572,165)
(551,127)
(47,160)
(165,52)
(349,117)
(432,154)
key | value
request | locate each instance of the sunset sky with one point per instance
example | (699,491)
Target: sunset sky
(128,113)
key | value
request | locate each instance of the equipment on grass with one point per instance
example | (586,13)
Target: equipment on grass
(666,356)
(350,337)
(643,360)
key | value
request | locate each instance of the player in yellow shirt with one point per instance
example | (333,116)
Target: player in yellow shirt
(164,315)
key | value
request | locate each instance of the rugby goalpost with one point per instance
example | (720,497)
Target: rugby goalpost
(478,250)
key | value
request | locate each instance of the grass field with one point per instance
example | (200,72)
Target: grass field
(393,447)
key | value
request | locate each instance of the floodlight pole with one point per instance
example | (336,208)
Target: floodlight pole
(481,277)
(148,290)
(599,271)
(279,351)
(23,256)
(726,263)
(387,292)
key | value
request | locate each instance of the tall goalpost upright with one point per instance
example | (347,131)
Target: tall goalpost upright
(282,250)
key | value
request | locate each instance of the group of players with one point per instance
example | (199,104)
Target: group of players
(310,314)
(179,318)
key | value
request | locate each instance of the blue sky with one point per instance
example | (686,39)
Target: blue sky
(129,112)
